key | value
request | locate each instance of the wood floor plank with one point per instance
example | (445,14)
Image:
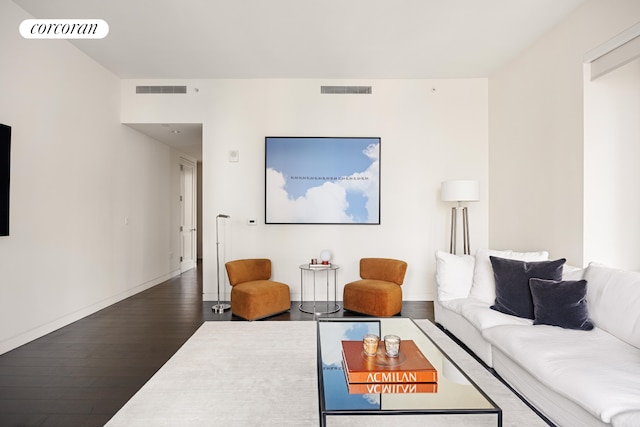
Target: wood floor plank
(82,374)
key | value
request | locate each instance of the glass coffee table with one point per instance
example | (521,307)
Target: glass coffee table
(454,400)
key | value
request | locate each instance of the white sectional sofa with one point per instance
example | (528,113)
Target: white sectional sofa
(574,377)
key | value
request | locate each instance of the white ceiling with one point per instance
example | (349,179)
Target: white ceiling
(351,39)
(308,38)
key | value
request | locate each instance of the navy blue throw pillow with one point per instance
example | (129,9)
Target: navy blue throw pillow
(558,303)
(513,295)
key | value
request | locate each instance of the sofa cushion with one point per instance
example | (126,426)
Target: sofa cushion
(459,326)
(454,275)
(613,298)
(373,297)
(484,284)
(513,295)
(386,269)
(593,368)
(247,270)
(455,305)
(481,316)
(259,298)
(560,303)
(626,419)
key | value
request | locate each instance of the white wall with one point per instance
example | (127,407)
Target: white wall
(77,172)
(612,151)
(427,137)
(536,134)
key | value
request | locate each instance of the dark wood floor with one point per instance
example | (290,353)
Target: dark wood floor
(82,374)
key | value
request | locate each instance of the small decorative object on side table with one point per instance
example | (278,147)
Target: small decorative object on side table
(325,256)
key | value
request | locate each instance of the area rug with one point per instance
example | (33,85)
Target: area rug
(233,374)
(238,374)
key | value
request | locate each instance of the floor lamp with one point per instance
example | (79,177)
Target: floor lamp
(460,191)
(219,307)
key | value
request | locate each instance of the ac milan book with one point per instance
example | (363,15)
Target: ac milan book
(410,366)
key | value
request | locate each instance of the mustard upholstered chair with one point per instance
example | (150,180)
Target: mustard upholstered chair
(379,291)
(253,295)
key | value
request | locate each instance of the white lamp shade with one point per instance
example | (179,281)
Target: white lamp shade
(325,255)
(458,190)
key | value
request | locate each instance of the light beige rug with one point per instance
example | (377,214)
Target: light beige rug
(237,374)
(233,374)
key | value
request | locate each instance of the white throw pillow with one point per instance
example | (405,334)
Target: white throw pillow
(613,299)
(570,272)
(484,284)
(454,275)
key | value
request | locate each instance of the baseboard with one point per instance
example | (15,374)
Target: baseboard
(63,321)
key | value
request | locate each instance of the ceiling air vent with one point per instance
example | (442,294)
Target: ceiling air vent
(161,89)
(343,90)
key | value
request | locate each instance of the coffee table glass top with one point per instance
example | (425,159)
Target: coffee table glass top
(454,392)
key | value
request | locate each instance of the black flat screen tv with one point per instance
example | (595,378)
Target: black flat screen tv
(322,180)
(5,177)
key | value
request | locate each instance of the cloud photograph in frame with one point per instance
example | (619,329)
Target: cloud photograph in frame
(322,180)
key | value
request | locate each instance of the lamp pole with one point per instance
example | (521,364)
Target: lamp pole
(219,307)
(460,191)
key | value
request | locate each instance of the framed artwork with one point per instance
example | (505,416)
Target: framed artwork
(322,180)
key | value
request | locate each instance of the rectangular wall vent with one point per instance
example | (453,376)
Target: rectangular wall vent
(342,90)
(161,89)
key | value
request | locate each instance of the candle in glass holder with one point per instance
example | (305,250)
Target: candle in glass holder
(392,345)
(370,344)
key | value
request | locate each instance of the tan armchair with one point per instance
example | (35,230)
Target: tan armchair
(379,291)
(253,294)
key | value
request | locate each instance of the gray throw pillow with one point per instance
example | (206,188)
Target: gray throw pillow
(513,295)
(560,303)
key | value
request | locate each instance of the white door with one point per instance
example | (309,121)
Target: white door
(188,212)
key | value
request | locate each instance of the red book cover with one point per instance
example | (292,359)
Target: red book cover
(411,366)
(392,388)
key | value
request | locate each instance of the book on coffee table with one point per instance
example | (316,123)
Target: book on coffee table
(410,366)
(320,266)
